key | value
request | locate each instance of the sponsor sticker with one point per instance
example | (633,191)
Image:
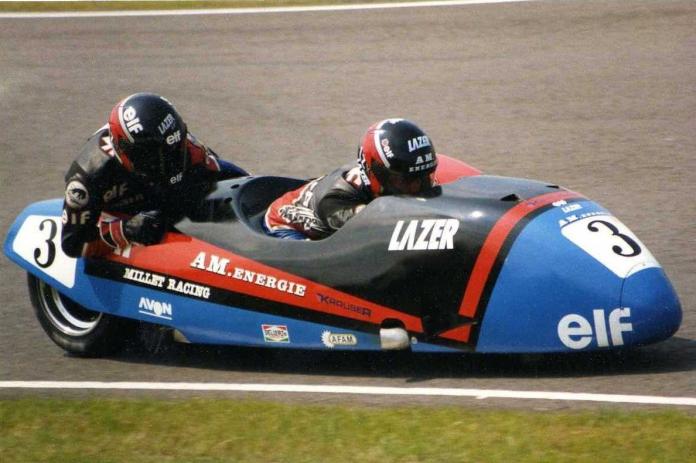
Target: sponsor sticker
(275,333)
(141,276)
(417,143)
(332,340)
(387,149)
(577,332)
(567,208)
(132,120)
(176,178)
(76,195)
(325,299)
(115,192)
(221,266)
(155,308)
(421,235)
(166,124)
(174,138)
(188,288)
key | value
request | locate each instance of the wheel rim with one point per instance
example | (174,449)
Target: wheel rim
(67,316)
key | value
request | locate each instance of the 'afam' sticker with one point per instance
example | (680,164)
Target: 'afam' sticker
(332,340)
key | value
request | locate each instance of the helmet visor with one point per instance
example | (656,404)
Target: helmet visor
(400,184)
(157,162)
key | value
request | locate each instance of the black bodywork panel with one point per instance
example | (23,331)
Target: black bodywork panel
(356,259)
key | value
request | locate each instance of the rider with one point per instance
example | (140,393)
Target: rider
(138,173)
(395,157)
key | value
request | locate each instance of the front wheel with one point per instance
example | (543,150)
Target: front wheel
(74,328)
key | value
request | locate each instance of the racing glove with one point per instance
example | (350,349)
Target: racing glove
(145,228)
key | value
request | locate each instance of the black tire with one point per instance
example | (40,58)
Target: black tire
(75,329)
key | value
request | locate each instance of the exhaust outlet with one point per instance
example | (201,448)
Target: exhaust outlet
(394,339)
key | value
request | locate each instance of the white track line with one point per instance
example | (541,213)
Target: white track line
(366,390)
(229,11)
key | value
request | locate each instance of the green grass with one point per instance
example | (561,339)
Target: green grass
(210,430)
(36,6)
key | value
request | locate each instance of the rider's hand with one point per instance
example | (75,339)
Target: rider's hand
(145,228)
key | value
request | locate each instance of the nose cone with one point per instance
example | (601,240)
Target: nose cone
(655,310)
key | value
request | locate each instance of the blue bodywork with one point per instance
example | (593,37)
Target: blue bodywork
(199,321)
(550,295)
(546,277)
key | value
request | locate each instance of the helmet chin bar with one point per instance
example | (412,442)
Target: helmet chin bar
(396,183)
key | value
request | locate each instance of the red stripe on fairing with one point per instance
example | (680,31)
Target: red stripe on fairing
(449,169)
(460,333)
(494,242)
(175,260)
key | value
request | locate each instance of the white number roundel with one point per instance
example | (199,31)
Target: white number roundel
(38,242)
(609,241)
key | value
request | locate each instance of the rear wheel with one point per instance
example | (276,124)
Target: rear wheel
(75,329)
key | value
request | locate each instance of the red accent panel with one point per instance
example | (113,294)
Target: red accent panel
(116,229)
(494,242)
(450,169)
(117,133)
(196,152)
(115,127)
(111,229)
(179,256)
(105,234)
(96,248)
(460,333)
(199,155)
(125,160)
(213,163)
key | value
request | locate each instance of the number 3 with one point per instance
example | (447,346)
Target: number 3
(51,247)
(635,248)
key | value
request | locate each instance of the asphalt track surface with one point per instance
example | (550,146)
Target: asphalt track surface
(596,96)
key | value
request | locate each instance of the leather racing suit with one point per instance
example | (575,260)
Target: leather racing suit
(101,194)
(320,207)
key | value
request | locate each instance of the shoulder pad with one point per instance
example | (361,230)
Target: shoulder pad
(94,155)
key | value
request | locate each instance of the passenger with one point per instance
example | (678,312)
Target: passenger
(395,157)
(136,175)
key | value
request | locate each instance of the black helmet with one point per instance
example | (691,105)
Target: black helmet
(149,138)
(397,157)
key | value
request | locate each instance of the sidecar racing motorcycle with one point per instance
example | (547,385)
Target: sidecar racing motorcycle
(487,264)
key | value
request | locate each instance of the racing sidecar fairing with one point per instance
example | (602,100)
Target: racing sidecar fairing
(485,264)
